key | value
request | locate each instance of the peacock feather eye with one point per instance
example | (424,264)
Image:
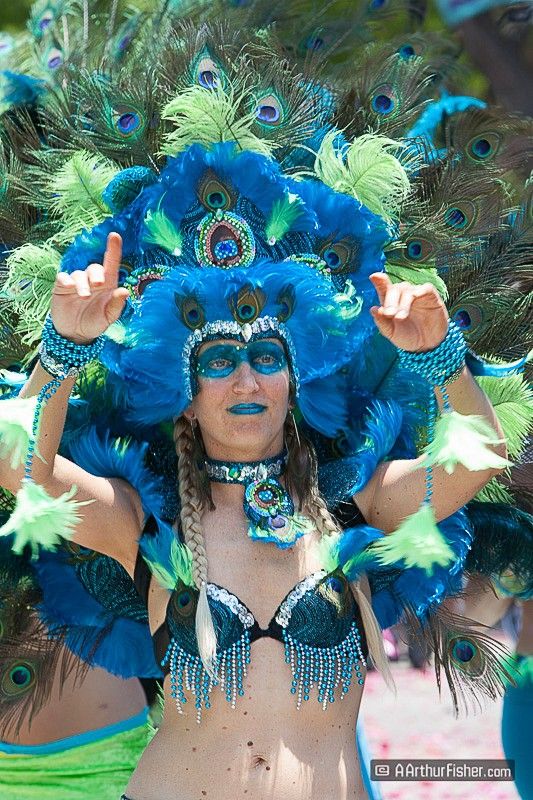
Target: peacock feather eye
(467,316)
(139,280)
(338,256)
(18,678)
(247,305)
(54,58)
(45,20)
(340,445)
(483,147)
(314,43)
(384,100)
(208,74)
(269,111)
(124,272)
(127,121)
(418,249)
(467,656)
(406,51)
(78,553)
(334,588)
(191,311)
(183,603)
(286,300)
(214,195)
(460,216)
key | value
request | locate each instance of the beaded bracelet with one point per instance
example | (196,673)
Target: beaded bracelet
(62,358)
(439,367)
(444,363)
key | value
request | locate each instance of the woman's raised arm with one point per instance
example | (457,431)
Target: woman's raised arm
(415,319)
(83,306)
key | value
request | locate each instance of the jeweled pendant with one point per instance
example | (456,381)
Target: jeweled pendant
(271,513)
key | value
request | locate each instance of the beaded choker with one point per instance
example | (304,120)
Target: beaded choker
(266,503)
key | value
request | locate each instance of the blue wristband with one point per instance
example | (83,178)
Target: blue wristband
(441,365)
(62,358)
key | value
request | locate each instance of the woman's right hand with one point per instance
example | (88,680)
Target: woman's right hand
(86,302)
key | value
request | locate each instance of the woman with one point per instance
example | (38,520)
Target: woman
(64,728)
(241,410)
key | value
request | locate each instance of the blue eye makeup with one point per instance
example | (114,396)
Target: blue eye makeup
(221,360)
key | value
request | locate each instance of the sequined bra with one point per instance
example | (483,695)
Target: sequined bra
(318,622)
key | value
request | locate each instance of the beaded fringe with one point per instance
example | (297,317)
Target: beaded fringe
(327,667)
(188,672)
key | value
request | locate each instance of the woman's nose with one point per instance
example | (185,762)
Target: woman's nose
(245,379)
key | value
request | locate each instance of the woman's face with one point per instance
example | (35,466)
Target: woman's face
(243,398)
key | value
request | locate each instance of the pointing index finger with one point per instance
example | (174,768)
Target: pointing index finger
(112,258)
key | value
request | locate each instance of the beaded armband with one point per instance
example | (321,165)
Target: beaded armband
(444,363)
(63,358)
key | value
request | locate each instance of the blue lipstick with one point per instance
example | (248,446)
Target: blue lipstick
(247,408)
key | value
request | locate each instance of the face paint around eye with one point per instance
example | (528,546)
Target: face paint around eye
(266,357)
(221,360)
(218,361)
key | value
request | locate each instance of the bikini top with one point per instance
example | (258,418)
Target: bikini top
(318,622)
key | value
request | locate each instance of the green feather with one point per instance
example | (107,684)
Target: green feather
(417,542)
(463,439)
(417,276)
(39,520)
(367,169)
(512,399)
(207,117)
(31,275)
(328,552)
(179,566)
(162,232)
(77,190)
(524,670)
(16,422)
(495,492)
(283,214)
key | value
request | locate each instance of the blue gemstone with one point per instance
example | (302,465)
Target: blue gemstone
(226,248)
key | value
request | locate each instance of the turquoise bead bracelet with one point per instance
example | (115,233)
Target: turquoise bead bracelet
(444,363)
(62,358)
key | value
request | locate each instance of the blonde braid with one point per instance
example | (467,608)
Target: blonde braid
(326,526)
(191,523)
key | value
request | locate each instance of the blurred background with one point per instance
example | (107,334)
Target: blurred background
(497,41)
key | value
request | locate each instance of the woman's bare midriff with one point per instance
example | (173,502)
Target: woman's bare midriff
(99,700)
(264,749)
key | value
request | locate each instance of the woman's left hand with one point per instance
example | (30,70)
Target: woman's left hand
(412,317)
